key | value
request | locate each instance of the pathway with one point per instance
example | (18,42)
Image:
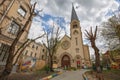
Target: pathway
(70,75)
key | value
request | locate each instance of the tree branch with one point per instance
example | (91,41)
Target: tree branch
(25,45)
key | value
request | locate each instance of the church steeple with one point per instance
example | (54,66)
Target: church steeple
(73,14)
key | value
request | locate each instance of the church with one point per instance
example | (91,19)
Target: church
(71,51)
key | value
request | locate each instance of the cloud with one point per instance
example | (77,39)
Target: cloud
(89,10)
(90,13)
(35,30)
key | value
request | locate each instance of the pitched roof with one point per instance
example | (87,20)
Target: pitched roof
(73,14)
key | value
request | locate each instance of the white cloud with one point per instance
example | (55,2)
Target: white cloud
(35,30)
(90,12)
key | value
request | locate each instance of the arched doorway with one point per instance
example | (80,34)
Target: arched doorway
(65,61)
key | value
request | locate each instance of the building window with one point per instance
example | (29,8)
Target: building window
(42,57)
(43,50)
(26,52)
(65,44)
(4,48)
(33,46)
(55,57)
(75,26)
(13,28)
(35,54)
(76,40)
(31,54)
(77,50)
(0,44)
(36,47)
(22,11)
(78,57)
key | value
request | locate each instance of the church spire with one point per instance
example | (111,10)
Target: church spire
(74,15)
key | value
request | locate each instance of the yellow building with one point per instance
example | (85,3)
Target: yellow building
(13,16)
(71,51)
(35,50)
(33,57)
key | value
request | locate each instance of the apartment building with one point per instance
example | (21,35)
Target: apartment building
(33,57)
(35,51)
(13,16)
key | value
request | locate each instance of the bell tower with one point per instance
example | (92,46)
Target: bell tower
(75,28)
(76,34)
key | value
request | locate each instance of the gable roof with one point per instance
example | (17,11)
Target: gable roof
(65,36)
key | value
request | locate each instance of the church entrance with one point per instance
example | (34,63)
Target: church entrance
(65,62)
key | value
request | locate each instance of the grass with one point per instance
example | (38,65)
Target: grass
(113,74)
(29,75)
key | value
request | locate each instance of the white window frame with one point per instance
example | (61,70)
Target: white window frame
(22,11)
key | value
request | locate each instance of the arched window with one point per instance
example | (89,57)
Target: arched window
(42,57)
(65,57)
(43,50)
(75,26)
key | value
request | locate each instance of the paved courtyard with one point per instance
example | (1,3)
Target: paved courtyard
(70,75)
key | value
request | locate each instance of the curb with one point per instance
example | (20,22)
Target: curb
(84,76)
(51,76)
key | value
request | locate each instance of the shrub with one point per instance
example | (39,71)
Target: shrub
(73,68)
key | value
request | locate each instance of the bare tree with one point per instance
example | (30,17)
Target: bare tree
(9,62)
(92,37)
(52,38)
(22,48)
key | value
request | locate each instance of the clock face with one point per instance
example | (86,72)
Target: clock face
(65,44)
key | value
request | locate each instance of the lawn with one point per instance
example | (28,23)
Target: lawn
(113,74)
(29,75)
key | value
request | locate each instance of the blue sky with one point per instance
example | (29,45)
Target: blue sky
(58,13)
(111,12)
(59,20)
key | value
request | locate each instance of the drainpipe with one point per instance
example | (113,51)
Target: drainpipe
(6,11)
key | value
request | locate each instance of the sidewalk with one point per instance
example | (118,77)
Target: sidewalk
(70,75)
(66,75)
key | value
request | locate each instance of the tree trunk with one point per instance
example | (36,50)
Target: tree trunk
(8,66)
(92,38)
(51,63)
(97,57)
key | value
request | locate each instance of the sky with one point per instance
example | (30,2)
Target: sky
(91,13)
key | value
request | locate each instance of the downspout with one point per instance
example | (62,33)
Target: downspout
(6,11)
